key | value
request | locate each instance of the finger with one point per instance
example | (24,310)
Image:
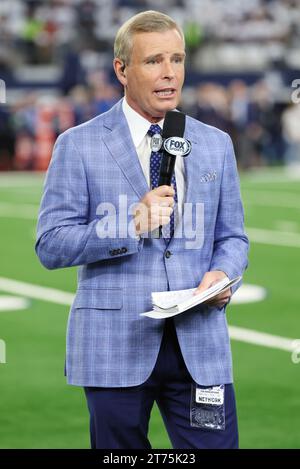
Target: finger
(166,201)
(164,220)
(216,304)
(217,300)
(209,279)
(204,285)
(165,211)
(223,303)
(222,296)
(164,190)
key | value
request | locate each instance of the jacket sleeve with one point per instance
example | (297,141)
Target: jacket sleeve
(65,235)
(231,243)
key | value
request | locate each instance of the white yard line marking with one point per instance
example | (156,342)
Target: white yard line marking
(64,298)
(35,291)
(13,303)
(289,186)
(272,176)
(261,338)
(249,294)
(21,179)
(266,199)
(274,238)
(287,225)
(15,210)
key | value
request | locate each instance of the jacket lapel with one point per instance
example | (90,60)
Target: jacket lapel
(119,143)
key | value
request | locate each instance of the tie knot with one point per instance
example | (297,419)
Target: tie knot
(154,129)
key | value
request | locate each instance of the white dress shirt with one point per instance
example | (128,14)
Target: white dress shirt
(139,127)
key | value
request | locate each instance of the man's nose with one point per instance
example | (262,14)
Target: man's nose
(168,70)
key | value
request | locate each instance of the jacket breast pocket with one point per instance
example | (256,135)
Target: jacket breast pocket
(99,298)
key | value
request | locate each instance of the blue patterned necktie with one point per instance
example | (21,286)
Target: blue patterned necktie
(155,160)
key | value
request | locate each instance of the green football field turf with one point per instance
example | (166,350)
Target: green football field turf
(38,409)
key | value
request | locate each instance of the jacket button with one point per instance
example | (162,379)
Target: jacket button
(118,251)
(112,252)
(168,254)
(123,250)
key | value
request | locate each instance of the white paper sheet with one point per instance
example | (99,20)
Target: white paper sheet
(170,303)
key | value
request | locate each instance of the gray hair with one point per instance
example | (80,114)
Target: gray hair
(145,22)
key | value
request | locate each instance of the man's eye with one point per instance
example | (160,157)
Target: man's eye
(152,61)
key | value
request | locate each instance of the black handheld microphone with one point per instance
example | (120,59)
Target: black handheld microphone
(174,125)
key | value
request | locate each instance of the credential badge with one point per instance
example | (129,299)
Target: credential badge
(156,142)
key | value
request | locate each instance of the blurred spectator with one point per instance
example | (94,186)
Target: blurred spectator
(6,61)
(32,28)
(25,116)
(193,38)
(81,98)
(242,117)
(270,144)
(7,139)
(104,94)
(72,71)
(213,106)
(291,125)
(86,22)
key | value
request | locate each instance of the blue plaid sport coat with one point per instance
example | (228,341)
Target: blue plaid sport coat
(82,223)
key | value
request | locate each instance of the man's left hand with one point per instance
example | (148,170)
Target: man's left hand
(209,279)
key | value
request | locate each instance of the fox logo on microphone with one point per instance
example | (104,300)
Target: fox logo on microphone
(177,146)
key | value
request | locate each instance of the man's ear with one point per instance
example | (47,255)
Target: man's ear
(120,71)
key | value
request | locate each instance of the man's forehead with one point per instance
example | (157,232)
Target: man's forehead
(152,43)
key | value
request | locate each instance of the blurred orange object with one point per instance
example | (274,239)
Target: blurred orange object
(45,135)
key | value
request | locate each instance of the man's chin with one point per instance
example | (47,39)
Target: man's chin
(158,112)
(164,108)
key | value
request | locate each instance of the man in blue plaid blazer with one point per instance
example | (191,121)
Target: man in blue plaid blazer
(97,212)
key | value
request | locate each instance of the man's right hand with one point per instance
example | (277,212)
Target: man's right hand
(154,209)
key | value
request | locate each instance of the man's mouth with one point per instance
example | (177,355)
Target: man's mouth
(167,92)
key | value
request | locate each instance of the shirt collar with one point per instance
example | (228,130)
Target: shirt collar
(137,124)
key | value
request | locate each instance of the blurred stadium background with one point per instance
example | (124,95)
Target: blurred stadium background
(243,64)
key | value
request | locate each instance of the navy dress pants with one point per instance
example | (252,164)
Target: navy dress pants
(119,417)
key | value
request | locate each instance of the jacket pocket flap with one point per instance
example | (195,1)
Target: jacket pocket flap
(99,298)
